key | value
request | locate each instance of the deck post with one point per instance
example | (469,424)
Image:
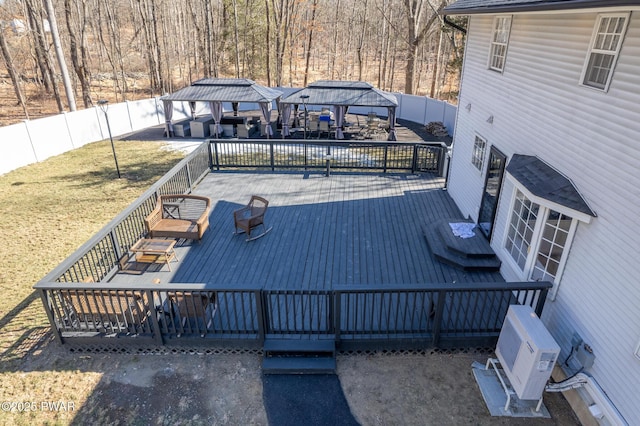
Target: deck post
(117,250)
(47,307)
(155,325)
(272,160)
(437,317)
(337,296)
(542,298)
(386,155)
(217,156)
(261,314)
(189,179)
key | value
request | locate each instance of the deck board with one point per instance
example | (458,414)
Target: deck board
(340,230)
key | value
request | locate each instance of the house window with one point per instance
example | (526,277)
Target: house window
(537,237)
(603,51)
(555,233)
(479,149)
(499,42)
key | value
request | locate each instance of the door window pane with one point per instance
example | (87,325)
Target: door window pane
(523,222)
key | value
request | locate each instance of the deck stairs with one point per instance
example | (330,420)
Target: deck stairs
(469,254)
(299,356)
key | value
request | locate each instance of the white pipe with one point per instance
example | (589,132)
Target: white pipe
(609,411)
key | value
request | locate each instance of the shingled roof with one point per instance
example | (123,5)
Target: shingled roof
(544,181)
(337,92)
(470,7)
(224,90)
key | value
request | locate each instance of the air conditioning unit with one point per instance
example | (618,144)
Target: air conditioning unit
(527,352)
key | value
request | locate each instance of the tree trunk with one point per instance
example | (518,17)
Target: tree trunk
(309,42)
(236,38)
(15,79)
(268,42)
(64,71)
(79,64)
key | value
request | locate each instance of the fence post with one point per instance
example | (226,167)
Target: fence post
(437,317)
(414,160)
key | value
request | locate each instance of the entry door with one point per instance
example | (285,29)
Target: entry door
(493,182)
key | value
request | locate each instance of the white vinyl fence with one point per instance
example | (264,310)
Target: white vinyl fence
(35,140)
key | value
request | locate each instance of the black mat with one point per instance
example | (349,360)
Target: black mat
(305,400)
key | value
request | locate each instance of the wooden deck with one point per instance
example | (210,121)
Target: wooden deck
(327,231)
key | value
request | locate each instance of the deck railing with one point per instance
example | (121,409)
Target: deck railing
(100,257)
(358,317)
(369,156)
(84,307)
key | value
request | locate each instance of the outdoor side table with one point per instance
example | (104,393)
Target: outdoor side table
(152,250)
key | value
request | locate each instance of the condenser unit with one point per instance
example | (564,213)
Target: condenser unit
(527,352)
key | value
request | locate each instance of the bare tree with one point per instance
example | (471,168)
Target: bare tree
(78,49)
(311,24)
(420,17)
(13,74)
(64,71)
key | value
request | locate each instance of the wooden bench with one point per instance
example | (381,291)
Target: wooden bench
(179,216)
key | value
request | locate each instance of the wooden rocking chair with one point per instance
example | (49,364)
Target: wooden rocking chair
(250,217)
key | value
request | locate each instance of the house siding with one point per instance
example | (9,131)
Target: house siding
(592,137)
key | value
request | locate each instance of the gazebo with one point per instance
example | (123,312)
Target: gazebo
(341,95)
(215,91)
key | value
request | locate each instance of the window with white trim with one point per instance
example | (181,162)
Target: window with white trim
(538,238)
(479,150)
(499,42)
(606,42)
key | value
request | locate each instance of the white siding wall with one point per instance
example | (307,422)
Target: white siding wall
(593,138)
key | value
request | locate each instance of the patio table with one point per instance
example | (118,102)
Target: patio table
(150,250)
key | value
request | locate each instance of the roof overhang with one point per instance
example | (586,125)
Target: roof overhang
(473,7)
(544,182)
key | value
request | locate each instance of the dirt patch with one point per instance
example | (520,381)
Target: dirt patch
(221,389)
(433,389)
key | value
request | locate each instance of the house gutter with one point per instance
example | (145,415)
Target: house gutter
(454,25)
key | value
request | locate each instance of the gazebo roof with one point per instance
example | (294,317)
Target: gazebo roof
(336,92)
(224,90)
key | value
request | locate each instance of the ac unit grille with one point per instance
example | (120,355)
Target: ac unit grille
(509,344)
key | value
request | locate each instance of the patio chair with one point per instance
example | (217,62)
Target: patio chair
(244,130)
(189,312)
(250,217)
(313,126)
(324,126)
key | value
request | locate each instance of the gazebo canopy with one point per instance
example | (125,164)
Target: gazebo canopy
(215,91)
(345,93)
(224,90)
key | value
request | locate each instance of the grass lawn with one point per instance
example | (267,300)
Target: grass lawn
(47,210)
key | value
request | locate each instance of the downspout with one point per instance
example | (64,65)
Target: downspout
(463,31)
